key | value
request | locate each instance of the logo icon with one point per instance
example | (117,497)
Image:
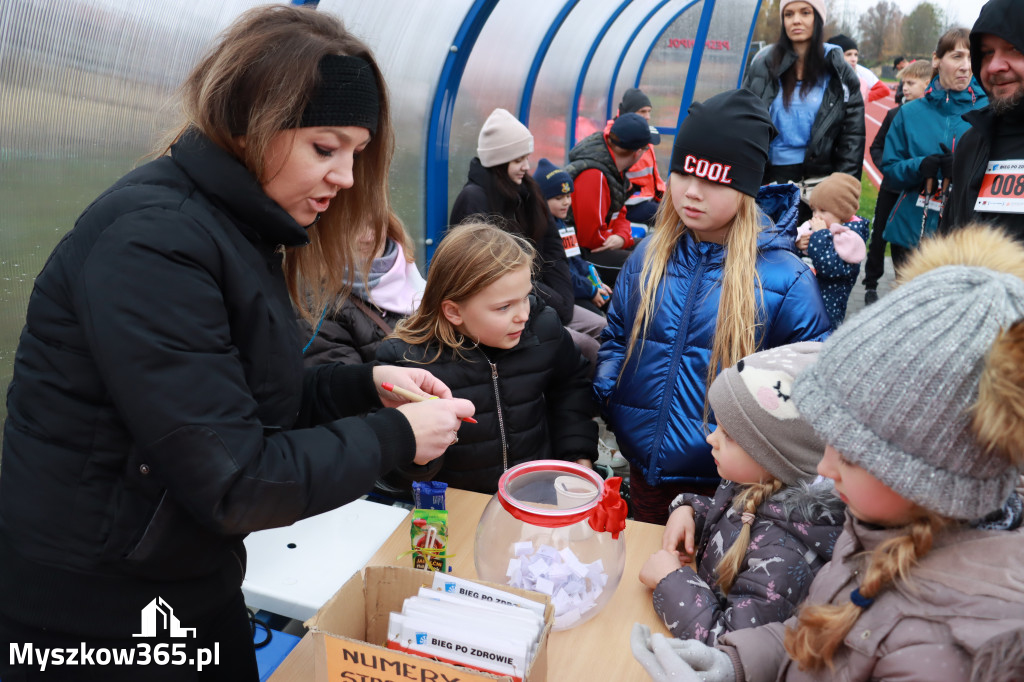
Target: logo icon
(158,618)
(449,587)
(421,638)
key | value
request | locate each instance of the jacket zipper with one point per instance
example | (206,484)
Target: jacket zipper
(501,419)
(684,328)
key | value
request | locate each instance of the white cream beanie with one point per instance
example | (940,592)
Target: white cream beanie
(502,139)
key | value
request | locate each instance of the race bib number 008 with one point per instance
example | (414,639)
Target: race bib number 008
(1002,189)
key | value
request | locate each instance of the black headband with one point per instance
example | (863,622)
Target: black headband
(346,95)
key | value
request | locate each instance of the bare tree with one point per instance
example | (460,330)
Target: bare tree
(921,29)
(880,31)
(769,23)
(840,19)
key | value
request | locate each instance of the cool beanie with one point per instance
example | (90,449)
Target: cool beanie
(818,5)
(725,140)
(1001,18)
(845,43)
(839,194)
(502,139)
(633,100)
(553,181)
(753,403)
(893,388)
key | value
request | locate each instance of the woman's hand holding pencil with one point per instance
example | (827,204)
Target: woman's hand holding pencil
(434,415)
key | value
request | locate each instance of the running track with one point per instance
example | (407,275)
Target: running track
(874,114)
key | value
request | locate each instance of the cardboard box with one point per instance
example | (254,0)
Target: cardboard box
(349,632)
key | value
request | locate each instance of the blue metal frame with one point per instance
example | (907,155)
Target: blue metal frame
(746,50)
(538,59)
(574,109)
(440,124)
(654,43)
(695,59)
(622,55)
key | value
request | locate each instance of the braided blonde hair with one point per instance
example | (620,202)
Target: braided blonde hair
(821,628)
(749,500)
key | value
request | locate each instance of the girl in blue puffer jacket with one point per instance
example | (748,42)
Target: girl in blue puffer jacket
(717,280)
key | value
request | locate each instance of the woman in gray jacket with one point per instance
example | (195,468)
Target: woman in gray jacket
(813,97)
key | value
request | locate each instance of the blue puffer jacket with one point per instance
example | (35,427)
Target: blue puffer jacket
(657,409)
(921,128)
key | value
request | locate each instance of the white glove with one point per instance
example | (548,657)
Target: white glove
(679,660)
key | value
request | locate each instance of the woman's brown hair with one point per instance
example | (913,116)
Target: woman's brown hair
(471,256)
(254,83)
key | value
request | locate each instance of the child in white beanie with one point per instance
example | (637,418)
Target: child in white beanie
(920,398)
(759,542)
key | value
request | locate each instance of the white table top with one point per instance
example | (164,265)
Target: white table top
(292,571)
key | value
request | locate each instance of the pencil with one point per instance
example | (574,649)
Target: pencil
(415,397)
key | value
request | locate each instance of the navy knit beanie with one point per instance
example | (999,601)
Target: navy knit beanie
(553,181)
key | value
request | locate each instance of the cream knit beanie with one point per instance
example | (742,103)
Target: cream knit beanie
(502,139)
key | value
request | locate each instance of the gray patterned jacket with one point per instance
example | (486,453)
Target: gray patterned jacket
(791,538)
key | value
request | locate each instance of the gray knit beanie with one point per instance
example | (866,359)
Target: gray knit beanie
(753,403)
(502,139)
(894,387)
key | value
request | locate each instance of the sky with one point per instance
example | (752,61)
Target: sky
(961,12)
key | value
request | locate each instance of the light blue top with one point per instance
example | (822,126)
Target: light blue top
(794,124)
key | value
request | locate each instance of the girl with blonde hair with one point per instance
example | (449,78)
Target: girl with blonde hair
(920,399)
(482,331)
(159,411)
(758,543)
(717,280)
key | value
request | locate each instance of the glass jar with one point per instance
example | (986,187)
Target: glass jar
(555,527)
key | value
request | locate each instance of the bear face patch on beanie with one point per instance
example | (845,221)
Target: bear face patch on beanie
(553,181)
(894,388)
(502,139)
(839,194)
(725,140)
(753,402)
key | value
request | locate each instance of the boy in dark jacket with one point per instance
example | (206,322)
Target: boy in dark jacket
(557,187)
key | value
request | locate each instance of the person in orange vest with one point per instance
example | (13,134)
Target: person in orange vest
(647,183)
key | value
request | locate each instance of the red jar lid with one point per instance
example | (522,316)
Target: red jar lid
(529,492)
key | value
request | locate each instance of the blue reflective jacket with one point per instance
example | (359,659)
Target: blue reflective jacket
(921,128)
(656,410)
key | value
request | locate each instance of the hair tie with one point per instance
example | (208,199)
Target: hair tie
(860,600)
(747,518)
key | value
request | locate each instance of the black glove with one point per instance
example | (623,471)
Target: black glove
(946,163)
(930,166)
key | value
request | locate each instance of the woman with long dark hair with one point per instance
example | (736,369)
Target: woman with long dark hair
(813,97)
(501,190)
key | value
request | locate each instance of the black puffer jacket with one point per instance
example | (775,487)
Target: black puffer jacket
(156,407)
(349,336)
(532,402)
(837,134)
(553,280)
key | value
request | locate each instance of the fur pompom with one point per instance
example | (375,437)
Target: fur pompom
(998,420)
(974,245)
